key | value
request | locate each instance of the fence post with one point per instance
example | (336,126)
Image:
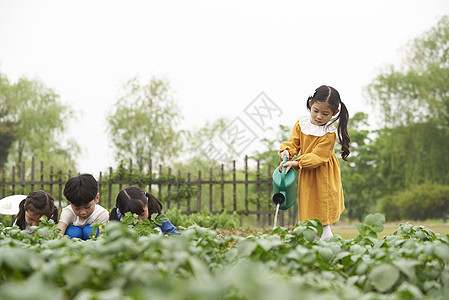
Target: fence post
(168,188)
(100,181)
(210,191)
(258,192)
(130,173)
(42,174)
(188,200)
(246,184)
(198,202)
(222,188)
(13,180)
(51,183)
(140,164)
(60,184)
(3,183)
(23,177)
(178,186)
(32,173)
(235,185)
(159,184)
(110,188)
(150,171)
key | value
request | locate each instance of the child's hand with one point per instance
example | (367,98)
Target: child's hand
(281,155)
(288,165)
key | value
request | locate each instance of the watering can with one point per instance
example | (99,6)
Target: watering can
(285,187)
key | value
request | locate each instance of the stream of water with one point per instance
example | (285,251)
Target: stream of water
(276,216)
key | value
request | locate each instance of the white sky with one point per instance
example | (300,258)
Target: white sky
(217,55)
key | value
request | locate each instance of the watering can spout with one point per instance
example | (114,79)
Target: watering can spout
(279,198)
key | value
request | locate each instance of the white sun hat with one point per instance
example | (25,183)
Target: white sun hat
(10,205)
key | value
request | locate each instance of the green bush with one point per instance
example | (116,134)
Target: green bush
(390,208)
(419,202)
(204,219)
(125,262)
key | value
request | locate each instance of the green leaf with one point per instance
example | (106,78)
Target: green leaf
(357,249)
(362,229)
(407,266)
(268,244)
(375,222)
(309,234)
(326,254)
(442,252)
(33,289)
(76,275)
(383,277)
(409,291)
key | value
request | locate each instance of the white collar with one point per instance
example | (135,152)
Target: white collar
(309,129)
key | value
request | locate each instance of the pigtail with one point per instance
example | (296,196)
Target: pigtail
(54,214)
(20,217)
(113,216)
(154,204)
(342,129)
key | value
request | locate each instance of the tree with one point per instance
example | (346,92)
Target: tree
(414,102)
(142,122)
(39,120)
(270,156)
(361,183)
(7,137)
(204,149)
(7,128)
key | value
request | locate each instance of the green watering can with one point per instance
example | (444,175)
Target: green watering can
(285,187)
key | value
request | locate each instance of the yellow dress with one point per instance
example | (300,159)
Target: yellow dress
(320,193)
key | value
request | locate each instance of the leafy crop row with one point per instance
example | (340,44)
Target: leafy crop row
(125,262)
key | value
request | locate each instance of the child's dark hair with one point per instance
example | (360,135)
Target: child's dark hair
(330,95)
(80,190)
(39,202)
(133,199)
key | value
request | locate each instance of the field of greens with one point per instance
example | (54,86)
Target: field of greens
(132,262)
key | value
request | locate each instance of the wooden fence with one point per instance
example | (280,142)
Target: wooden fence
(246,192)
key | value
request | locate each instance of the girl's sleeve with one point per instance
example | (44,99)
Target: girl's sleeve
(292,146)
(167,227)
(320,154)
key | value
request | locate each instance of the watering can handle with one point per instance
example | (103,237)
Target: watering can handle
(283,172)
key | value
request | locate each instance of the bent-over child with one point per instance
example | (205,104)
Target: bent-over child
(33,207)
(77,218)
(133,199)
(313,136)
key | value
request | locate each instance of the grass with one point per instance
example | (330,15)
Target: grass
(348,231)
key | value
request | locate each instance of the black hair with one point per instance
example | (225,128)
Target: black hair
(39,202)
(80,190)
(133,199)
(330,95)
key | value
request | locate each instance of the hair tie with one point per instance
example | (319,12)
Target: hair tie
(119,215)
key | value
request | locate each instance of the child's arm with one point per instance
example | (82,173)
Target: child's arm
(167,227)
(289,165)
(320,154)
(62,226)
(292,146)
(67,217)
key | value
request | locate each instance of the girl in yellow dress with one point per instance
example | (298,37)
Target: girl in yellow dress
(313,137)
